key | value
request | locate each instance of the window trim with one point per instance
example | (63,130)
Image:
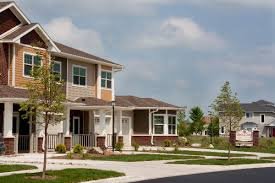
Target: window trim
(163,125)
(59,62)
(261,118)
(222,131)
(252,115)
(83,67)
(171,115)
(33,55)
(106,88)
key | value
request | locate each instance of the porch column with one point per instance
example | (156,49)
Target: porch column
(66,123)
(166,123)
(9,139)
(8,115)
(120,123)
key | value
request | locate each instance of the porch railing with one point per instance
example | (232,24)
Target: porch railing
(23,143)
(86,140)
(54,140)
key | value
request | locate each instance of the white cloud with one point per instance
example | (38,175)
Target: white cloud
(63,30)
(177,32)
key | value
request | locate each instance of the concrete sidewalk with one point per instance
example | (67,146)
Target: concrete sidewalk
(135,171)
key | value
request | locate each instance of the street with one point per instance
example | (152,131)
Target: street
(260,175)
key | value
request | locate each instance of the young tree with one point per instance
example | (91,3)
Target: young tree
(227,107)
(213,128)
(46,99)
(196,115)
(183,129)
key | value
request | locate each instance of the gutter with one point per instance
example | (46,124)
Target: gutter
(151,134)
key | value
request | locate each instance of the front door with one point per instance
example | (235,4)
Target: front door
(76,125)
(126,132)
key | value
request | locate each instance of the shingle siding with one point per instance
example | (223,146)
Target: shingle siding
(7,21)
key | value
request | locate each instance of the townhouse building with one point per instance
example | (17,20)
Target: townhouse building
(89,88)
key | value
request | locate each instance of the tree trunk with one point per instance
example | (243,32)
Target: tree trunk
(45,151)
(229,144)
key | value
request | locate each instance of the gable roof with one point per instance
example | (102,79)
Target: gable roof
(72,51)
(259,106)
(137,102)
(3,4)
(13,6)
(19,32)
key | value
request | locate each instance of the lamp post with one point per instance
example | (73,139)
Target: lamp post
(113,130)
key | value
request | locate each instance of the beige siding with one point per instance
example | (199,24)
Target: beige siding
(82,91)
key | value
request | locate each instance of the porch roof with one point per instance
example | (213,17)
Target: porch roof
(11,92)
(272,124)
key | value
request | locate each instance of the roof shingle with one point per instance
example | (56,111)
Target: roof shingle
(10,92)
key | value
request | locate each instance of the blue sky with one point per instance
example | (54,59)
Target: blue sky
(179,51)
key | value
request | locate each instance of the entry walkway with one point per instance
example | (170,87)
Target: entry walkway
(135,171)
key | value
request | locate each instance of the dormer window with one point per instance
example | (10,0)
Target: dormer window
(31,62)
(106,79)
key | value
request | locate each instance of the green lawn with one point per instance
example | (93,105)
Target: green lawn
(221,162)
(13,168)
(202,153)
(62,176)
(268,158)
(140,157)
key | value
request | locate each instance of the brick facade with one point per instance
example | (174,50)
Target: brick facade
(68,143)
(256,135)
(9,144)
(100,142)
(232,138)
(158,140)
(120,139)
(8,21)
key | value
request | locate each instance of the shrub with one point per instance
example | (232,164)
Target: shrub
(78,149)
(2,148)
(136,146)
(119,146)
(60,148)
(167,143)
(176,148)
(182,141)
(205,142)
(70,155)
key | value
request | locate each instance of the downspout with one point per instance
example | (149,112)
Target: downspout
(151,133)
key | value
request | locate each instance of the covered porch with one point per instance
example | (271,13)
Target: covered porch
(270,129)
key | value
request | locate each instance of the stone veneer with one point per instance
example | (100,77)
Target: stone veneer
(68,143)
(100,142)
(9,143)
(40,144)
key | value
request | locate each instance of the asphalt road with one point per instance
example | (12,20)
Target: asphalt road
(260,175)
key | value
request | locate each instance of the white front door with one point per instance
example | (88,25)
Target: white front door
(126,132)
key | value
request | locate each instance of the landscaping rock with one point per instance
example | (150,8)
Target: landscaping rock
(196,145)
(107,152)
(211,146)
(95,150)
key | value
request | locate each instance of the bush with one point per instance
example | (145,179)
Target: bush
(205,142)
(136,146)
(78,149)
(176,148)
(167,143)
(182,141)
(2,148)
(70,155)
(119,146)
(60,148)
(220,142)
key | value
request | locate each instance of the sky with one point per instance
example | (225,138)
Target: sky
(178,51)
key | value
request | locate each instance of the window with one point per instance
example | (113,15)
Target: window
(262,118)
(159,124)
(56,69)
(76,125)
(222,130)
(172,124)
(31,62)
(106,79)
(79,75)
(248,115)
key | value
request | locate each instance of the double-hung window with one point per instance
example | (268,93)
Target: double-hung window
(31,62)
(159,124)
(172,124)
(56,69)
(262,118)
(79,75)
(106,79)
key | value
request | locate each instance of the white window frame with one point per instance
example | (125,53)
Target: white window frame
(32,65)
(60,72)
(261,118)
(222,130)
(76,117)
(156,115)
(79,66)
(171,115)
(107,71)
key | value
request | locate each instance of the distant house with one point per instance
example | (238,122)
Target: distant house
(259,116)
